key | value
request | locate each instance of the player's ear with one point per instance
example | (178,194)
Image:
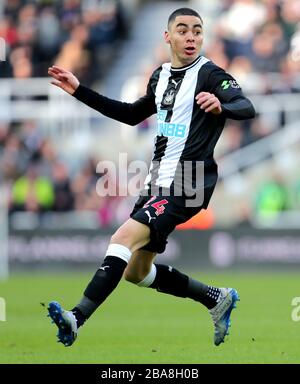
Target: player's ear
(167,37)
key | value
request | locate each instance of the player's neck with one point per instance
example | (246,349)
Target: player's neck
(177,64)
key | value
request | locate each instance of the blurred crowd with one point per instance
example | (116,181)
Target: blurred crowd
(78,35)
(81,36)
(256,36)
(258,42)
(42,181)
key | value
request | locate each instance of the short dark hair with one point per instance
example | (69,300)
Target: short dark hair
(183,12)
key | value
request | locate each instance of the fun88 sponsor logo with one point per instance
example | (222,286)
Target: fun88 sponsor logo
(169,129)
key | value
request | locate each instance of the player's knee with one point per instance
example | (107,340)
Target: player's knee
(132,276)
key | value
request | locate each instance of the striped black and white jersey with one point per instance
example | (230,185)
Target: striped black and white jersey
(185,133)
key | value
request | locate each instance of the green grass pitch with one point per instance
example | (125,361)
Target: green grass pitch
(139,325)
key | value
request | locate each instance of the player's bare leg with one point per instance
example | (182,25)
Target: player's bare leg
(139,266)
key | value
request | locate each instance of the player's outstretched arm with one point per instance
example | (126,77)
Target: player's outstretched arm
(63,79)
(128,113)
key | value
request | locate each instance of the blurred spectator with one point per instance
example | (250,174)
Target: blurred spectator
(240,68)
(216,53)
(14,157)
(84,184)
(290,14)
(290,71)
(272,198)
(48,34)
(74,55)
(71,32)
(8,31)
(63,196)
(12,8)
(31,137)
(238,25)
(32,192)
(269,46)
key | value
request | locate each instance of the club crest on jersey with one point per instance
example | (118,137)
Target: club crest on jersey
(169,97)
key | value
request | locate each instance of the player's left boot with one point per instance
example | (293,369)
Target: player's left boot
(65,322)
(221,313)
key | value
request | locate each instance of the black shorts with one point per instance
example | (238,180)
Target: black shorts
(162,214)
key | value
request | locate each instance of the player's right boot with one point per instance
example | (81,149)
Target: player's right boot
(221,313)
(65,322)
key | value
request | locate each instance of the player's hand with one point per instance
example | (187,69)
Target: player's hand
(63,79)
(209,102)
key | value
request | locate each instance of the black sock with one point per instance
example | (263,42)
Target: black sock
(169,280)
(203,293)
(80,317)
(100,287)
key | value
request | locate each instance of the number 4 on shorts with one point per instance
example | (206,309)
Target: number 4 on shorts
(160,206)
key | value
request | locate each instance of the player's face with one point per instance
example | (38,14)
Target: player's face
(185,36)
